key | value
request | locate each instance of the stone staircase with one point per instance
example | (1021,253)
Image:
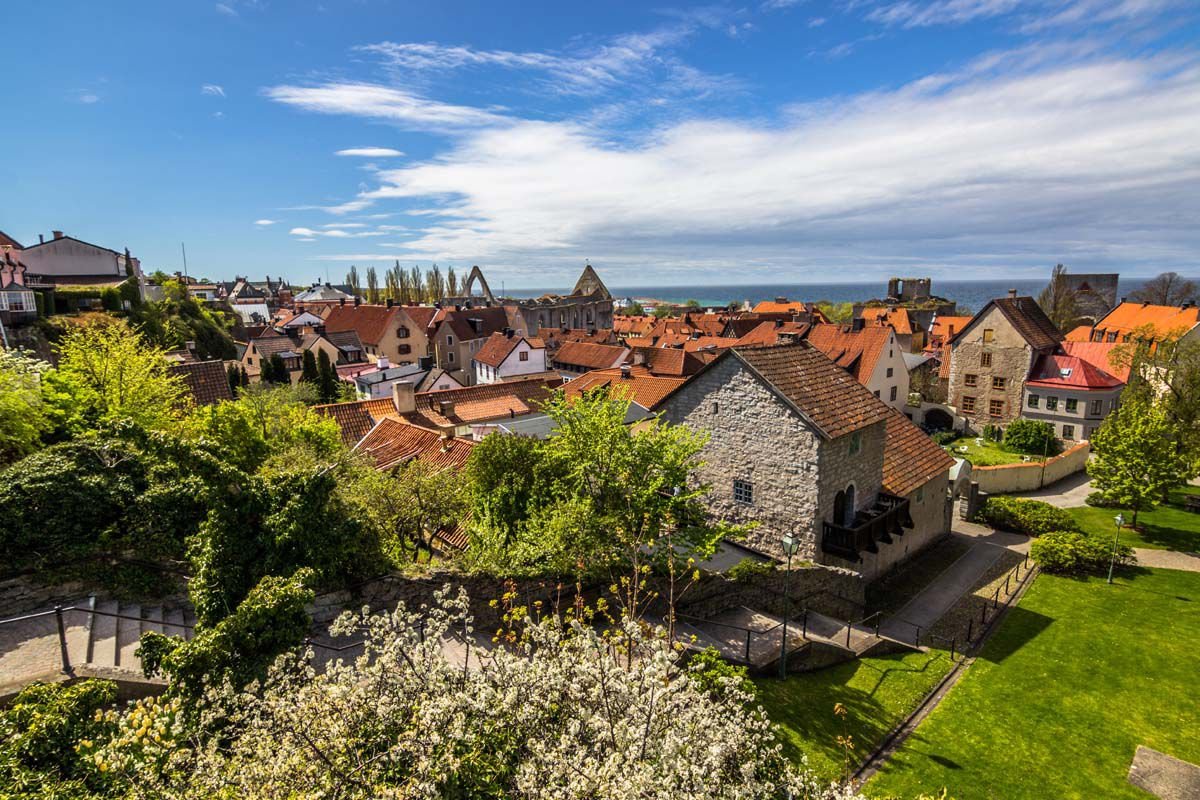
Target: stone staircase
(99,638)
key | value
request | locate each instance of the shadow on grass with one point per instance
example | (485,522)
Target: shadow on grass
(897,665)
(1170,537)
(1019,628)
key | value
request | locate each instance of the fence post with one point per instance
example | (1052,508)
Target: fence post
(1006,579)
(877,619)
(970,628)
(747,645)
(983,613)
(953,644)
(848,627)
(996,598)
(62,640)
(804,633)
(917,641)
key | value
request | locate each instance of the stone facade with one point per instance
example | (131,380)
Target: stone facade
(845,465)
(931,510)
(972,388)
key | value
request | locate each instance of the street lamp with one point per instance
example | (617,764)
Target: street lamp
(790,546)
(1120,520)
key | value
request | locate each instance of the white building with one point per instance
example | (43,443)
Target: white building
(508,354)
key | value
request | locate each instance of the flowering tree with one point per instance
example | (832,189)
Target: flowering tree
(558,714)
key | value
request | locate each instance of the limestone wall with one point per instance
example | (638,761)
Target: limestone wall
(1007,478)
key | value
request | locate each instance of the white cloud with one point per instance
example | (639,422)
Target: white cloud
(213,90)
(1086,163)
(265,222)
(87,98)
(226,9)
(370,152)
(778,5)
(1036,14)
(381,102)
(817,22)
(333,233)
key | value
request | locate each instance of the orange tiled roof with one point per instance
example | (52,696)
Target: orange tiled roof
(592,356)
(393,442)
(666,360)
(830,398)
(1099,355)
(896,317)
(910,458)
(855,351)
(772,307)
(357,418)
(1164,320)
(768,333)
(631,325)
(947,327)
(498,347)
(641,387)
(370,322)
(482,403)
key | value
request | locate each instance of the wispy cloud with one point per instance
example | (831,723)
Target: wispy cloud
(370,152)
(265,222)
(213,90)
(333,233)
(88,98)
(1033,15)
(779,5)
(1001,162)
(381,102)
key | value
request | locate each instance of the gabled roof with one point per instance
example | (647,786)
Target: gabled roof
(944,327)
(421,316)
(481,403)
(897,318)
(639,386)
(1027,319)
(910,458)
(592,356)
(1070,372)
(8,241)
(206,380)
(370,322)
(666,361)
(1165,320)
(778,307)
(356,419)
(768,332)
(392,442)
(633,324)
(857,351)
(491,319)
(589,283)
(1099,355)
(499,347)
(825,395)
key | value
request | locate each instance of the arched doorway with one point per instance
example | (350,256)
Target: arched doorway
(938,420)
(843,507)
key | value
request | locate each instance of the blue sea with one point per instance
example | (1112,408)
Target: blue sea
(972,294)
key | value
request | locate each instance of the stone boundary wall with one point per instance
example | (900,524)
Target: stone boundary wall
(25,594)
(1007,478)
(837,592)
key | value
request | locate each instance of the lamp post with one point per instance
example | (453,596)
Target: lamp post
(790,546)
(1112,559)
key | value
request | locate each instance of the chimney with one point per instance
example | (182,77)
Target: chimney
(447,440)
(341,301)
(382,362)
(446,408)
(1012,294)
(626,372)
(390,302)
(57,234)
(404,397)
(41,239)
(458,307)
(858,324)
(508,333)
(189,345)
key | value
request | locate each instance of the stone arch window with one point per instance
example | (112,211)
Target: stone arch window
(843,507)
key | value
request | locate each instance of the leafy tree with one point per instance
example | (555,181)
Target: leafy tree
(275,371)
(39,731)
(428,499)
(233,375)
(1135,460)
(1166,367)
(692,304)
(1058,300)
(662,311)
(508,478)
(372,285)
(108,373)
(327,379)
(23,418)
(352,280)
(180,318)
(451,282)
(634,309)
(1032,437)
(1168,289)
(838,313)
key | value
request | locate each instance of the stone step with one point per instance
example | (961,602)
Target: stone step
(104,635)
(78,625)
(129,633)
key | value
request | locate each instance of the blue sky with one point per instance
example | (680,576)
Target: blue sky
(799,141)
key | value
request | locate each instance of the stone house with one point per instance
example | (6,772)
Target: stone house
(341,348)
(458,334)
(800,447)
(398,333)
(991,358)
(506,355)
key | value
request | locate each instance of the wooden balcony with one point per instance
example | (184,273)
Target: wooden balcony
(888,516)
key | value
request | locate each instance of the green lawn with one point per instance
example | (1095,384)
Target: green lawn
(1078,676)
(877,694)
(989,454)
(1166,527)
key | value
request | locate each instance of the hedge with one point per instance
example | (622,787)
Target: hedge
(1072,553)
(1031,517)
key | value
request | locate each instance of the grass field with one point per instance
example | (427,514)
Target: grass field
(1078,675)
(877,694)
(989,454)
(1167,527)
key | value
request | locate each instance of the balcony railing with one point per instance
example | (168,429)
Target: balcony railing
(889,516)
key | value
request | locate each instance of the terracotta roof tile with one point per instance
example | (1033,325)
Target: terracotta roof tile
(482,403)
(393,442)
(590,356)
(632,325)
(641,387)
(786,307)
(666,361)
(1165,320)
(370,322)
(206,380)
(356,419)
(825,394)
(856,351)
(1099,355)
(910,458)
(897,318)
(1070,372)
(947,327)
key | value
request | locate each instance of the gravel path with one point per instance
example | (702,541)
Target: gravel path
(1167,559)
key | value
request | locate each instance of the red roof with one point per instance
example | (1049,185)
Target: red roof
(910,458)
(393,442)
(498,347)
(897,318)
(666,360)
(640,387)
(357,418)
(591,356)
(371,323)
(1099,355)
(1070,372)
(768,332)
(855,351)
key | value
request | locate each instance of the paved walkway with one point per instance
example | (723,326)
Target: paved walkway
(1071,491)
(1167,559)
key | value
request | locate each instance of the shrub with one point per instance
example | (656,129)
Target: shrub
(1031,517)
(993,433)
(1099,499)
(1032,437)
(750,569)
(944,437)
(710,671)
(1072,553)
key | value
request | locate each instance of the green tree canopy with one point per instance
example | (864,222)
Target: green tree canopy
(23,418)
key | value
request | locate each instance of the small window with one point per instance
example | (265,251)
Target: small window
(890,372)
(998,383)
(968,404)
(743,491)
(449,341)
(1052,404)
(894,392)
(876,393)
(985,359)
(1072,405)
(971,380)
(988,335)
(402,332)
(250,362)
(996,408)
(856,440)
(450,356)
(1068,432)
(1095,408)
(523,355)
(1033,400)
(716,408)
